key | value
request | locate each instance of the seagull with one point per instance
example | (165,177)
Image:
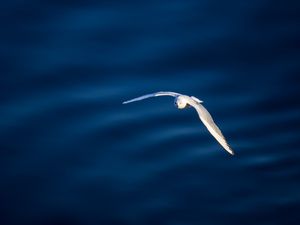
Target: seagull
(185,101)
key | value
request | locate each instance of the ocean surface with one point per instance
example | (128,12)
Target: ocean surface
(71,153)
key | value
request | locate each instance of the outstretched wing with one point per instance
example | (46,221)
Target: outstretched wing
(160,93)
(211,126)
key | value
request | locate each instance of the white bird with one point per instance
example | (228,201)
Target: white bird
(184,101)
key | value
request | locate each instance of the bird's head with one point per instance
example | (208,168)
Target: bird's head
(180,102)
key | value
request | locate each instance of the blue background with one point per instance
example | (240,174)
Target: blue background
(71,153)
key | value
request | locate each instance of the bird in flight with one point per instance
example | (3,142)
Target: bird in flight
(184,101)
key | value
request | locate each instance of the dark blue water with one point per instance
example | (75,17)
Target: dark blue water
(71,153)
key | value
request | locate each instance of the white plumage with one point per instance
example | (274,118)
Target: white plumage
(182,101)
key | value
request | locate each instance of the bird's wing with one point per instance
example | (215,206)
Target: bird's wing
(160,93)
(210,125)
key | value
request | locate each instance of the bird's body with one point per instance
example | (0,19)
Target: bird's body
(184,101)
